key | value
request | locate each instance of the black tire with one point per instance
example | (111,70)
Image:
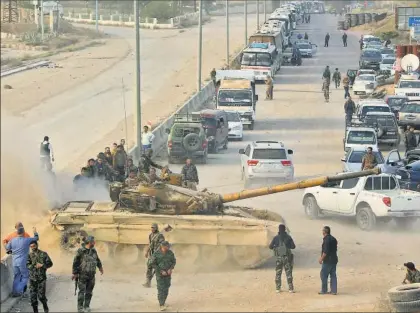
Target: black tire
(311,208)
(412,306)
(365,218)
(404,223)
(404,293)
(251,126)
(192,142)
(71,239)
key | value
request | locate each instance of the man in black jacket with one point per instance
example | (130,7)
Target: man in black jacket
(282,244)
(349,109)
(329,262)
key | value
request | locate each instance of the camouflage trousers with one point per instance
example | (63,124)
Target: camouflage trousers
(286,263)
(163,284)
(37,291)
(150,271)
(85,285)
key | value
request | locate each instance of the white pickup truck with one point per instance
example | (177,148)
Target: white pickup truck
(369,199)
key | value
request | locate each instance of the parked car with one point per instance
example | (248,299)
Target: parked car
(371,105)
(370,58)
(370,39)
(387,52)
(236,129)
(364,84)
(373,45)
(409,114)
(387,65)
(409,176)
(368,199)
(409,86)
(386,127)
(352,161)
(361,138)
(363,71)
(306,49)
(216,125)
(266,160)
(412,156)
(395,102)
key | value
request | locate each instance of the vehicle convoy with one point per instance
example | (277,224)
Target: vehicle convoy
(306,49)
(370,59)
(236,129)
(368,199)
(205,230)
(409,114)
(364,84)
(409,86)
(236,92)
(360,137)
(386,127)
(215,123)
(262,58)
(273,33)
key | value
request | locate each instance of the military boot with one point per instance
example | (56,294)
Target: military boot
(147,284)
(35,308)
(46,309)
(87,303)
(162,308)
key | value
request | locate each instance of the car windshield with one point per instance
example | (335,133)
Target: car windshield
(372,39)
(411,108)
(256,59)
(375,109)
(409,84)
(235,97)
(357,156)
(304,46)
(209,122)
(361,137)
(269,154)
(387,51)
(388,61)
(366,78)
(372,54)
(233,117)
(381,120)
(393,102)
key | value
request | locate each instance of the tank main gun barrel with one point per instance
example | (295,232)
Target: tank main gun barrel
(312,182)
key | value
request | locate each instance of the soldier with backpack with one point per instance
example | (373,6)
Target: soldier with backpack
(84,270)
(155,239)
(282,244)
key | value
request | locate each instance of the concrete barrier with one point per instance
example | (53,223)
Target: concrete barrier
(6,276)
(200,100)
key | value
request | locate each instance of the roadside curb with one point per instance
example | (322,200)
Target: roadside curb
(17,46)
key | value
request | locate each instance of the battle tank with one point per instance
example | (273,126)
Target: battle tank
(200,227)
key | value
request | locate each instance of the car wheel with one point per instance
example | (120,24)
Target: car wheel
(365,218)
(311,208)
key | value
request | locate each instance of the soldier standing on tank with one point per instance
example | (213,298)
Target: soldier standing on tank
(146,162)
(155,239)
(282,244)
(84,271)
(189,175)
(163,262)
(38,263)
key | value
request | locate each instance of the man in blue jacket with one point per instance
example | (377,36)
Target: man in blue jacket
(19,247)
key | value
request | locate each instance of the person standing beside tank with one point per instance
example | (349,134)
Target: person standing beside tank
(328,260)
(282,244)
(155,239)
(38,263)
(46,154)
(163,261)
(146,162)
(189,175)
(147,138)
(84,270)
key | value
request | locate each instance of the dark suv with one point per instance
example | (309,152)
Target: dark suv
(370,58)
(186,139)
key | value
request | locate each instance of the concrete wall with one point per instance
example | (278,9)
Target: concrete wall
(6,276)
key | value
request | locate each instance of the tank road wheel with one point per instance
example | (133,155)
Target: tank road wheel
(71,239)
(247,256)
(187,254)
(213,256)
(126,254)
(105,249)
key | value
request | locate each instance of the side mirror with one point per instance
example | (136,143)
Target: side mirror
(289,151)
(168,131)
(343,159)
(256,97)
(241,151)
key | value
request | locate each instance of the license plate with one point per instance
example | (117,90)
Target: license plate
(391,133)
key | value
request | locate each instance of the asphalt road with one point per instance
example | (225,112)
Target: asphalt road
(300,118)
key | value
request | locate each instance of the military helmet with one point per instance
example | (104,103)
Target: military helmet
(154,225)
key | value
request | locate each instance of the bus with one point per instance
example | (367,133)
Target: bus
(262,58)
(270,35)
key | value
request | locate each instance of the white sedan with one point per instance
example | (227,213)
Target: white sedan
(236,129)
(364,84)
(352,161)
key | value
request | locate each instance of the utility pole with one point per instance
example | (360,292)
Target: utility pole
(138,81)
(42,20)
(265,11)
(96,15)
(246,22)
(227,33)
(258,14)
(200,43)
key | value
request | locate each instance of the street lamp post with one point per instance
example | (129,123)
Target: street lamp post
(265,10)
(200,43)
(258,14)
(96,15)
(246,21)
(227,33)
(138,81)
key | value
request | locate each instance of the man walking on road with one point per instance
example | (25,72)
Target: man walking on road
(344,40)
(346,86)
(38,263)
(155,240)
(327,40)
(269,88)
(336,78)
(282,244)
(349,109)
(189,175)
(163,262)
(329,262)
(84,270)
(46,154)
(326,77)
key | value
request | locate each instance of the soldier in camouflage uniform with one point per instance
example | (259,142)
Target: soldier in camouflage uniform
(163,262)
(132,180)
(146,162)
(84,270)
(155,239)
(189,175)
(413,275)
(282,244)
(38,263)
(369,160)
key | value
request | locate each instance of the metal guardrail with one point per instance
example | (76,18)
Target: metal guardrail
(24,68)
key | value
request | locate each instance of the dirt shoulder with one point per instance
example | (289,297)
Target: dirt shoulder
(72,68)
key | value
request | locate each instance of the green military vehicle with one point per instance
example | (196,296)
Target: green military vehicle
(187,139)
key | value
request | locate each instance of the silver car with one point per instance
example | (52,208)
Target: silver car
(352,161)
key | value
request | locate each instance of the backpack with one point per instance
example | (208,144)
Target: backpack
(281,250)
(89,263)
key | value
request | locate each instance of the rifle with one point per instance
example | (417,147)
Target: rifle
(76,281)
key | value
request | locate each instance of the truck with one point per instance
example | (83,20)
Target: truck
(368,199)
(236,92)
(409,86)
